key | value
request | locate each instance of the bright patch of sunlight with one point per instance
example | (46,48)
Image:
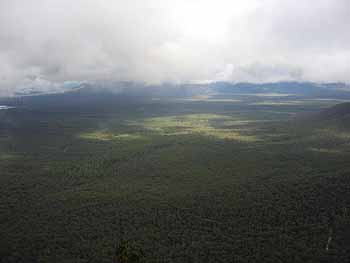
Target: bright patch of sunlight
(202,124)
(104,135)
(243,122)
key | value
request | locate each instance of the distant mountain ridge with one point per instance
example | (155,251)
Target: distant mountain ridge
(87,92)
(298,88)
(181,90)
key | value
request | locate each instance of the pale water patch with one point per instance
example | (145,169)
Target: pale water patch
(271,95)
(279,103)
(208,100)
(3,107)
(274,95)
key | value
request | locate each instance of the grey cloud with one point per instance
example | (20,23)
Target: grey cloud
(322,25)
(172,41)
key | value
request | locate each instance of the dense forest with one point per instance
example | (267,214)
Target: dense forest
(225,177)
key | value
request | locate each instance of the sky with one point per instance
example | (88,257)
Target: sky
(45,44)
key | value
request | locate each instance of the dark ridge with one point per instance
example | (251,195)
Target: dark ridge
(336,114)
(337,117)
(338,111)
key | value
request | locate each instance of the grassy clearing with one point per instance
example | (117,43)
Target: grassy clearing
(105,135)
(7,156)
(323,150)
(200,124)
(334,133)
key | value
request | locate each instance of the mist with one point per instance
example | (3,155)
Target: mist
(47,44)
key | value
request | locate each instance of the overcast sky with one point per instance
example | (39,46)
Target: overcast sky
(47,42)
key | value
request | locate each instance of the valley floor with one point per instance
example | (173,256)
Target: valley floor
(200,180)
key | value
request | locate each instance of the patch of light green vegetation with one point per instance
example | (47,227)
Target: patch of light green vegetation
(324,150)
(334,133)
(201,124)
(6,156)
(105,135)
(243,122)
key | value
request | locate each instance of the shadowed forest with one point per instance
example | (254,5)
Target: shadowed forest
(219,178)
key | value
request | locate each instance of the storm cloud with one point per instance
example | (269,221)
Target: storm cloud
(46,43)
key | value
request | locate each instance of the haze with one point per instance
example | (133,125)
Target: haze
(49,43)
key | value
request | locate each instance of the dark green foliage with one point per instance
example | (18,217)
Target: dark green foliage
(128,252)
(184,191)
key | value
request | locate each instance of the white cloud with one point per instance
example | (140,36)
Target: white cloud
(180,41)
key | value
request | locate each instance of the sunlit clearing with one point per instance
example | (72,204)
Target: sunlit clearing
(199,124)
(109,136)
